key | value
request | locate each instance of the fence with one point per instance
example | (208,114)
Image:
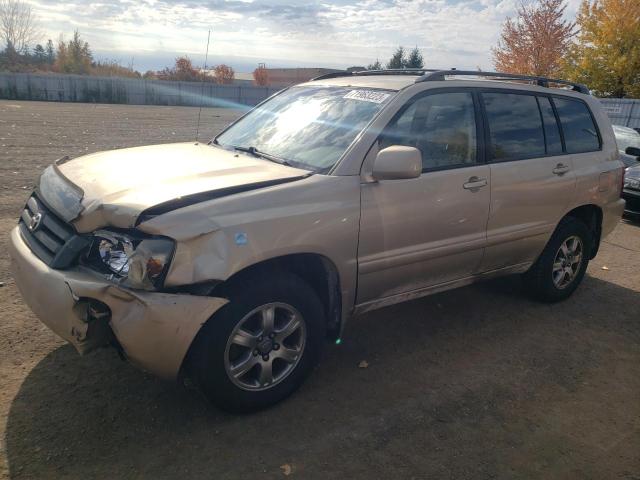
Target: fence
(80,88)
(622,111)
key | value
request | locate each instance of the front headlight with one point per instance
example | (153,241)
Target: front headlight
(134,260)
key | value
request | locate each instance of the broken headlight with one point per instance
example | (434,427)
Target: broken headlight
(135,261)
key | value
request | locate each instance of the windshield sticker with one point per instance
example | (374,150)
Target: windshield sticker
(367,96)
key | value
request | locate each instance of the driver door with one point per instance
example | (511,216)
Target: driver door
(430,230)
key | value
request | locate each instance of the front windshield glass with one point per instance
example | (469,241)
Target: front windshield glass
(308,127)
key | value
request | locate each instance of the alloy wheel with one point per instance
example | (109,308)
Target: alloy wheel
(567,262)
(265,346)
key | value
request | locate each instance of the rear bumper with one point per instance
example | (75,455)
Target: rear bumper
(154,329)
(611,215)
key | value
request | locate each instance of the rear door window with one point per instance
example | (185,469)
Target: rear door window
(580,133)
(515,126)
(551,130)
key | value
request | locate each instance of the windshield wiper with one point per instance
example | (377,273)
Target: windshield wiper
(257,153)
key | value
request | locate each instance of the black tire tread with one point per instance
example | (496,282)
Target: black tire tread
(205,362)
(538,280)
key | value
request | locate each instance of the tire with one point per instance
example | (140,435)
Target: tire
(541,280)
(214,355)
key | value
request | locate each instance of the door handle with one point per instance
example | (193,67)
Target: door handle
(474,184)
(561,169)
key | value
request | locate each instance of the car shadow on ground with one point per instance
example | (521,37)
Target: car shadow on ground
(477,382)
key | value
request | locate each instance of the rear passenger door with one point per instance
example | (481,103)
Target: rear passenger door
(532,177)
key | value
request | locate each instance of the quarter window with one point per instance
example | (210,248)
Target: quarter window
(515,126)
(442,126)
(580,134)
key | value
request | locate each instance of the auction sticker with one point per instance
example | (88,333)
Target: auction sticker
(372,96)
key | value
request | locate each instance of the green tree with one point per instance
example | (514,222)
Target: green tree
(415,59)
(398,59)
(51,53)
(375,65)
(606,55)
(39,55)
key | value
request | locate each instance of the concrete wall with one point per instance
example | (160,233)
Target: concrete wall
(81,88)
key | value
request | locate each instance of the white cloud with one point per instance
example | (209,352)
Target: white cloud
(328,33)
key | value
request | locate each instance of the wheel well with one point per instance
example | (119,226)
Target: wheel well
(591,216)
(318,271)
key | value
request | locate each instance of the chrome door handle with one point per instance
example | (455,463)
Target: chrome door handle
(475,183)
(561,169)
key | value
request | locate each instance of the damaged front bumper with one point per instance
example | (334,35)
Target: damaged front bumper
(154,329)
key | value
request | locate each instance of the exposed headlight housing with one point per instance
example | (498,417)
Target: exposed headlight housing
(134,260)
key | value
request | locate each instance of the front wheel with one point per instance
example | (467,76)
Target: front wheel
(259,348)
(562,264)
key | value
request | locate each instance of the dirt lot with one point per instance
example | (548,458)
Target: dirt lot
(475,383)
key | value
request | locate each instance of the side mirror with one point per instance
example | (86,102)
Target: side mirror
(397,163)
(634,151)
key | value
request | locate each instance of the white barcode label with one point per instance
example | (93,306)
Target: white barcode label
(367,96)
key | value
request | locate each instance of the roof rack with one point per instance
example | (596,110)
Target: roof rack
(364,73)
(540,81)
(431,75)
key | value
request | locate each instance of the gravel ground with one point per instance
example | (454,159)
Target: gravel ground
(476,383)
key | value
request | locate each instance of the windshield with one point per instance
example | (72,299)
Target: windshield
(308,127)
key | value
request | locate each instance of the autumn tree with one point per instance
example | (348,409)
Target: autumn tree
(606,54)
(535,42)
(18,25)
(73,56)
(224,74)
(261,76)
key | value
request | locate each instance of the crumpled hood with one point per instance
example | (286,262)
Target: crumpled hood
(118,185)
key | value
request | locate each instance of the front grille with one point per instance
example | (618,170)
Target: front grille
(54,241)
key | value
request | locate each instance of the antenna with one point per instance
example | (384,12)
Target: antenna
(204,72)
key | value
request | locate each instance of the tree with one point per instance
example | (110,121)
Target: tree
(375,65)
(398,59)
(51,54)
(261,76)
(18,24)
(39,54)
(606,55)
(74,56)
(535,42)
(224,74)
(415,59)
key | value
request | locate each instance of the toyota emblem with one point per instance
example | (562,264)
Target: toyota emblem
(34,222)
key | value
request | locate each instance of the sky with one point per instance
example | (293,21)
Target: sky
(149,34)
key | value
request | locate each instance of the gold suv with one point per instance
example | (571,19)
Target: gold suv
(232,262)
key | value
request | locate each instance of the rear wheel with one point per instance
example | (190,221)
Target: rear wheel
(259,348)
(562,264)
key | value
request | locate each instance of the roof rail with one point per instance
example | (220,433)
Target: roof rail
(439,75)
(364,73)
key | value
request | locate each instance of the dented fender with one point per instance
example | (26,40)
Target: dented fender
(154,329)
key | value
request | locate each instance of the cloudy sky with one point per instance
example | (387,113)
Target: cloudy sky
(336,33)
